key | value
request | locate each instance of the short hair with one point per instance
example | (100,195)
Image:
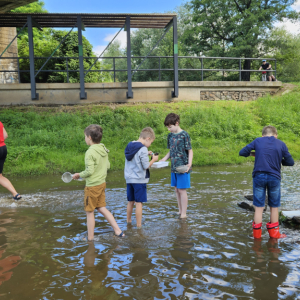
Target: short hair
(269,130)
(95,132)
(147,133)
(172,119)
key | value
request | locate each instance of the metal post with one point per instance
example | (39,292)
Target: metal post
(202,69)
(34,95)
(129,93)
(159,72)
(67,67)
(114,64)
(175,58)
(82,93)
(19,73)
(240,67)
(275,70)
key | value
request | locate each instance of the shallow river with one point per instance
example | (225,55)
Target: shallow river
(211,255)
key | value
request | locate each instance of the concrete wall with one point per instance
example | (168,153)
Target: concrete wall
(68,93)
(6,36)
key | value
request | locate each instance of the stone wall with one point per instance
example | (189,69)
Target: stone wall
(6,36)
(233,95)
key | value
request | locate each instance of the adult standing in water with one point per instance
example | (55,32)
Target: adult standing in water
(3,153)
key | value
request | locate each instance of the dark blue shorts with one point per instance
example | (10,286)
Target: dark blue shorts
(263,182)
(137,192)
(181,180)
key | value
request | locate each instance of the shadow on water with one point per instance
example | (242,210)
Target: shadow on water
(210,255)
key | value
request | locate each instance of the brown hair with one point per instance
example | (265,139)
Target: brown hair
(269,130)
(95,132)
(147,133)
(172,119)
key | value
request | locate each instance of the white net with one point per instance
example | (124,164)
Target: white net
(66,177)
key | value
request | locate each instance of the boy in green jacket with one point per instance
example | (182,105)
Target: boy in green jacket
(96,165)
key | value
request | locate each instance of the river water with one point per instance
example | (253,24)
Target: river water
(210,255)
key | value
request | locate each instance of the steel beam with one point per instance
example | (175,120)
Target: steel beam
(129,93)
(34,94)
(82,94)
(175,58)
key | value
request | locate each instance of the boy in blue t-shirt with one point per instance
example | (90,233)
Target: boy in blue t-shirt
(269,154)
(181,153)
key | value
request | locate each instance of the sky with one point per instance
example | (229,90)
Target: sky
(100,37)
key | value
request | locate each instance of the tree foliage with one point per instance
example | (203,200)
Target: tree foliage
(236,28)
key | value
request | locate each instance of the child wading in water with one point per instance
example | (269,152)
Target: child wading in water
(96,165)
(181,153)
(137,173)
(269,154)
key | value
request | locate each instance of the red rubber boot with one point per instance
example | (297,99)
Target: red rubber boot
(256,230)
(273,229)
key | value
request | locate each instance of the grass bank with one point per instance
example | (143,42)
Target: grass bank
(50,140)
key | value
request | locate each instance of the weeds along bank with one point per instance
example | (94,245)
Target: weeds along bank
(51,140)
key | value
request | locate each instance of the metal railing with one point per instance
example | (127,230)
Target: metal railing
(159,69)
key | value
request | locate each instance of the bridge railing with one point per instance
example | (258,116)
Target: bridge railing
(115,65)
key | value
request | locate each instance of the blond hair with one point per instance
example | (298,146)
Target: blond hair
(269,130)
(147,133)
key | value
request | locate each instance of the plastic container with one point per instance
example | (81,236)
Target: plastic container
(160,164)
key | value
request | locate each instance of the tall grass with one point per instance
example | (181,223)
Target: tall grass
(51,140)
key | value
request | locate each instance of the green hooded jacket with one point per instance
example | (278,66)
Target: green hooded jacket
(96,165)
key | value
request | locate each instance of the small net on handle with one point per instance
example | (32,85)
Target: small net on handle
(67,177)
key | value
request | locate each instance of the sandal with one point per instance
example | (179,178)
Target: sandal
(17,197)
(121,234)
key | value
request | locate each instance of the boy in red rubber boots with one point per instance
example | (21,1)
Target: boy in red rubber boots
(269,154)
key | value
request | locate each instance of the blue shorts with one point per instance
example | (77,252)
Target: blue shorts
(263,182)
(137,192)
(181,180)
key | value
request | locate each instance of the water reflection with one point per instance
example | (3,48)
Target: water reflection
(210,255)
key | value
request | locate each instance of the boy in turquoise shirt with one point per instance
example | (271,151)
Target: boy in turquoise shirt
(181,154)
(96,165)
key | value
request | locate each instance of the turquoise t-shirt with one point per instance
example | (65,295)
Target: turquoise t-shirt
(179,144)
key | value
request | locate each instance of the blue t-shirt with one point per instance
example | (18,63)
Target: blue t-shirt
(270,153)
(179,144)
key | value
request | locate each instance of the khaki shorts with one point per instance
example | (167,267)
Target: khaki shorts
(94,197)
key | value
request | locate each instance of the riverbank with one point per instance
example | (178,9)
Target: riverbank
(50,140)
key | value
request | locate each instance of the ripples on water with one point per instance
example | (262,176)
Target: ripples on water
(211,255)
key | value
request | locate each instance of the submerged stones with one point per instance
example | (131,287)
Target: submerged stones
(249,204)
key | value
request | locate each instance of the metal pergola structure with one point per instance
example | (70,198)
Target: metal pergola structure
(66,20)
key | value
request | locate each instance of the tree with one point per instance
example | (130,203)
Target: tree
(237,28)
(285,47)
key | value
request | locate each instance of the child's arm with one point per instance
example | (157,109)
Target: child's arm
(5,135)
(287,158)
(247,150)
(191,154)
(89,168)
(154,159)
(166,157)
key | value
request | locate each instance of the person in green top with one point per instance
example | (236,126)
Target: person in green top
(96,165)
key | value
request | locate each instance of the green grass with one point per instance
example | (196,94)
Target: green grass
(51,140)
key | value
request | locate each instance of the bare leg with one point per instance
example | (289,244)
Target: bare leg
(274,214)
(110,219)
(129,211)
(178,200)
(138,213)
(258,214)
(183,202)
(7,184)
(90,223)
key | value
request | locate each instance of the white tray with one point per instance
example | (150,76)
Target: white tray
(292,213)
(160,164)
